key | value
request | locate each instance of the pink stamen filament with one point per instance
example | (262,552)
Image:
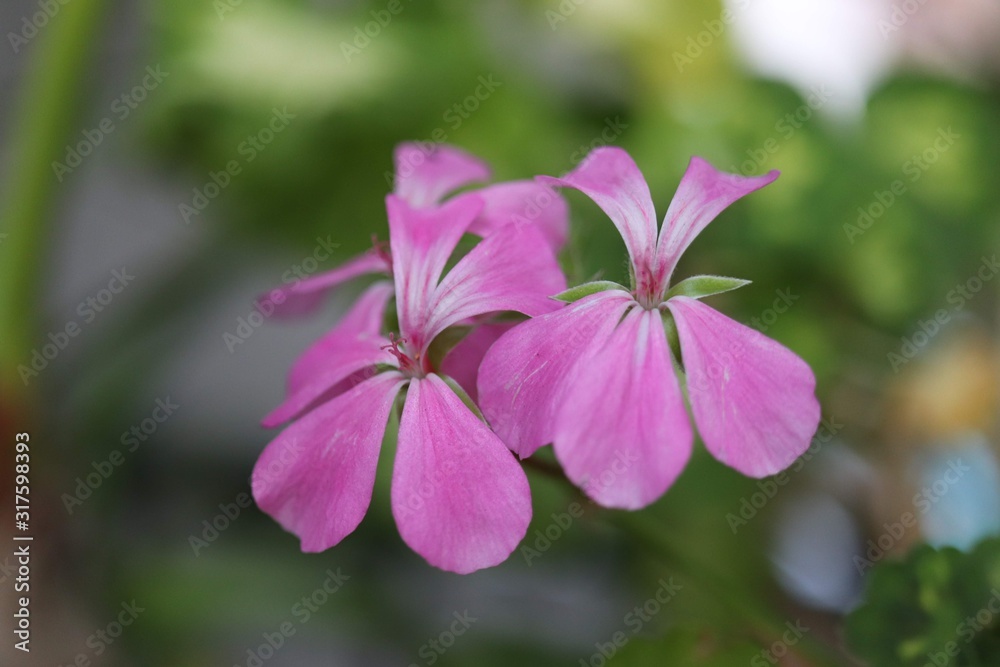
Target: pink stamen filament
(408,365)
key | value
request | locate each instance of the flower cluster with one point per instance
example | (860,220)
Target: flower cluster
(599,370)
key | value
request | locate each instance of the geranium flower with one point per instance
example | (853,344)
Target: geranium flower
(424,176)
(459,497)
(597,379)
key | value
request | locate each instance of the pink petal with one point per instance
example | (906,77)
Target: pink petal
(512,269)
(611,178)
(462,361)
(752,398)
(304,296)
(523,201)
(425,174)
(703,193)
(316,478)
(522,375)
(422,240)
(459,497)
(363,321)
(623,434)
(352,346)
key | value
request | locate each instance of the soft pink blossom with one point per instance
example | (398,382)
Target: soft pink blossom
(597,377)
(459,497)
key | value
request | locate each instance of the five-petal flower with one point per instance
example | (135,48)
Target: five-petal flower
(597,377)
(459,498)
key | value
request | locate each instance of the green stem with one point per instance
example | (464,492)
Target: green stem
(50,103)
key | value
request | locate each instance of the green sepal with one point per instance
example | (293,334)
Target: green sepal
(574,294)
(670,328)
(469,403)
(698,287)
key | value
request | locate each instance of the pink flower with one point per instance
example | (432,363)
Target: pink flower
(424,176)
(596,378)
(459,497)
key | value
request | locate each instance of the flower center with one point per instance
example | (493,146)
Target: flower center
(413,367)
(647,289)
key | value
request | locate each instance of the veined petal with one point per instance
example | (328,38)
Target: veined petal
(752,398)
(523,374)
(611,178)
(421,241)
(363,322)
(425,176)
(523,202)
(316,478)
(623,433)
(353,345)
(462,361)
(304,296)
(512,269)
(459,497)
(704,193)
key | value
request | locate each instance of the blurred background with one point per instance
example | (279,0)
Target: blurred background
(161,164)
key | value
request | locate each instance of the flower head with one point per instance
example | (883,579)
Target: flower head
(597,377)
(425,174)
(459,497)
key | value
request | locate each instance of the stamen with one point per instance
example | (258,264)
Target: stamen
(406,363)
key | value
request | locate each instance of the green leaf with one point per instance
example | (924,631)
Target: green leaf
(936,606)
(586,289)
(697,287)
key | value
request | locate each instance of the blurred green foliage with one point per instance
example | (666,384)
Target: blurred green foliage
(937,606)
